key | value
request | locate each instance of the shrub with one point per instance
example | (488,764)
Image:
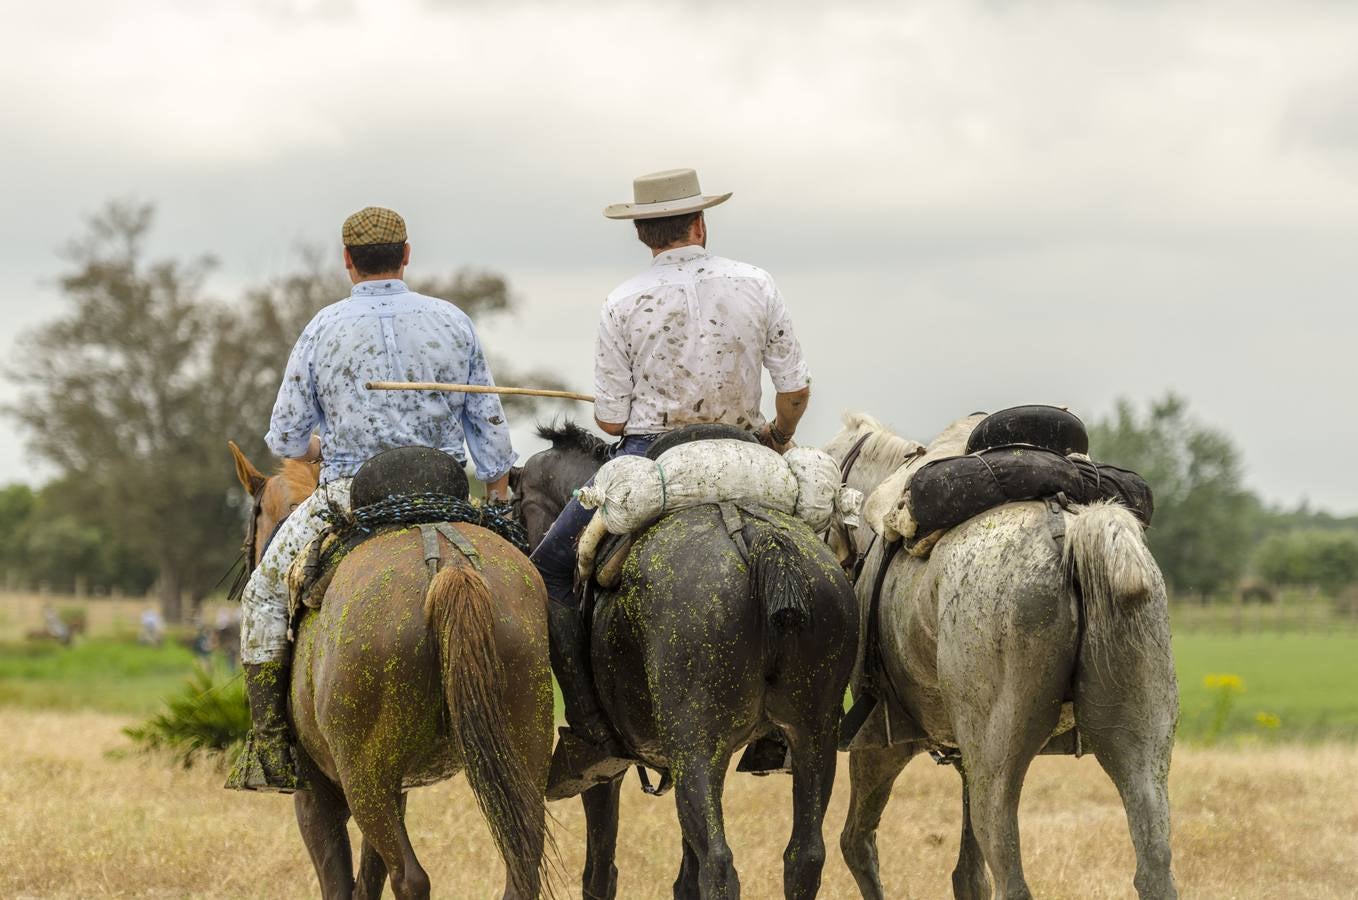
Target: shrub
(207,718)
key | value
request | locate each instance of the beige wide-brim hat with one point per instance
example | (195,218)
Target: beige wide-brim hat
(672,192)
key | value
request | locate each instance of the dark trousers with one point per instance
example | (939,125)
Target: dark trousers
(555,556)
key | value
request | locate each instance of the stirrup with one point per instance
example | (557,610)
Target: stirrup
(256,771)
(578,765)
(766,756)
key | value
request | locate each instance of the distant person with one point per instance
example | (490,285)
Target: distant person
(152,627)
(56,628)
(382,332)
(685,341)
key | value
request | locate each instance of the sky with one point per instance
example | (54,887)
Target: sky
(966,205)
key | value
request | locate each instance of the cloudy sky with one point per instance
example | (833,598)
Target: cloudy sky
(966,205)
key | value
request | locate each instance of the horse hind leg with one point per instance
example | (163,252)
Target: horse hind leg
(378,811)
(1128,722)
(600,880)
(969,880)
(372,871)
(322,816)
(872,772)
(698,783)
(814,753)
(999,735)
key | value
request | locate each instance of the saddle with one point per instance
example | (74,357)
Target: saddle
(395,489)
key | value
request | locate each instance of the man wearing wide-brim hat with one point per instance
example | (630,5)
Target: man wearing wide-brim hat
(684,342)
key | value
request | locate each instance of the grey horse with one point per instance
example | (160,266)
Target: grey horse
(1014,612)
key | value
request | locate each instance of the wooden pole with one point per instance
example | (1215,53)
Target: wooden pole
(476,389)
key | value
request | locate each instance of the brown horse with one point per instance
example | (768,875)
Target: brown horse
(399,681)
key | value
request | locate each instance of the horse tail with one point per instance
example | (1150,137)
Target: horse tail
(459,610)
(1120,586)
(779,579)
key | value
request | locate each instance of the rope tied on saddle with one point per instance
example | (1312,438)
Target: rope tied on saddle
(414,509)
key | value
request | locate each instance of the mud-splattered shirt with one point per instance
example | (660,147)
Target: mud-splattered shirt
(385,332)
(686,340)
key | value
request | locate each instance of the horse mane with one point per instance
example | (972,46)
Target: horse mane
(569,436)
(300,477)
(882,442)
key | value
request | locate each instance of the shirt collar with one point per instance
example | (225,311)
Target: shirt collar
(379,288)
(679,255)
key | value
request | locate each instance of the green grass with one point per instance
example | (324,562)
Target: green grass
(1310,682)
(99,673)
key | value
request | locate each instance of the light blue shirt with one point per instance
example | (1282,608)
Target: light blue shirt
(386,332)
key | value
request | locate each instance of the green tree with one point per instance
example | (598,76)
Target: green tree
(1325,558)
(119,395)
(1204,517)
(134,391)
(17,503)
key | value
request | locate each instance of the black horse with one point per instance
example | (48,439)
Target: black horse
(726,623)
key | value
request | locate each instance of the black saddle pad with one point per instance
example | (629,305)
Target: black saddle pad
(1048,427)
(707,431)
(408,472)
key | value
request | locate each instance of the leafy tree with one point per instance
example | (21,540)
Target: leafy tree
(119,395)
(134,391)
(1327,559)
(16,513)
(1204,517)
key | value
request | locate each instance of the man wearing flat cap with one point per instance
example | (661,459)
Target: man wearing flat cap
(684,342)
(382,332)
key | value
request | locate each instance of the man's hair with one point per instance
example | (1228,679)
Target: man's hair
(660,233)
(377,259)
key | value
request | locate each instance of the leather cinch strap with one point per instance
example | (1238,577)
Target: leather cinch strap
(433,548)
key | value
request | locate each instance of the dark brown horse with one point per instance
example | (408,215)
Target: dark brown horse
(723,626)
(400,681)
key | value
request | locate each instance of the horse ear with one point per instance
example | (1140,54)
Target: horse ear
(250,478)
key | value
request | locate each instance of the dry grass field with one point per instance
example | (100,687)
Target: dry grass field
(79,820)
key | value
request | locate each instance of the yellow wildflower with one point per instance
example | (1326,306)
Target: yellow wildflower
(1268,720)
(1224,682)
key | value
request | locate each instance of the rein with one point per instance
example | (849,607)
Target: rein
(248,547)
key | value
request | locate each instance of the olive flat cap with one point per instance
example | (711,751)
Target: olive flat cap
(374,225)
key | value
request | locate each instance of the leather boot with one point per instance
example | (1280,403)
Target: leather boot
(588,752)
(269,760)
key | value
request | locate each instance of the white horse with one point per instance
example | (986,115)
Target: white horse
(1015,612)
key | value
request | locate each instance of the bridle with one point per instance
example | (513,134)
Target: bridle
(854,567)
(247,557)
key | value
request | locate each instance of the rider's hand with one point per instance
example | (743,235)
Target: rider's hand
(768,439)
(498,490)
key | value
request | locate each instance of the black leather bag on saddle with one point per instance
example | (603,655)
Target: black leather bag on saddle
(947,492)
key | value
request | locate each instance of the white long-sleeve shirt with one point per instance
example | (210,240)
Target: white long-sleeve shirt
(686,340)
